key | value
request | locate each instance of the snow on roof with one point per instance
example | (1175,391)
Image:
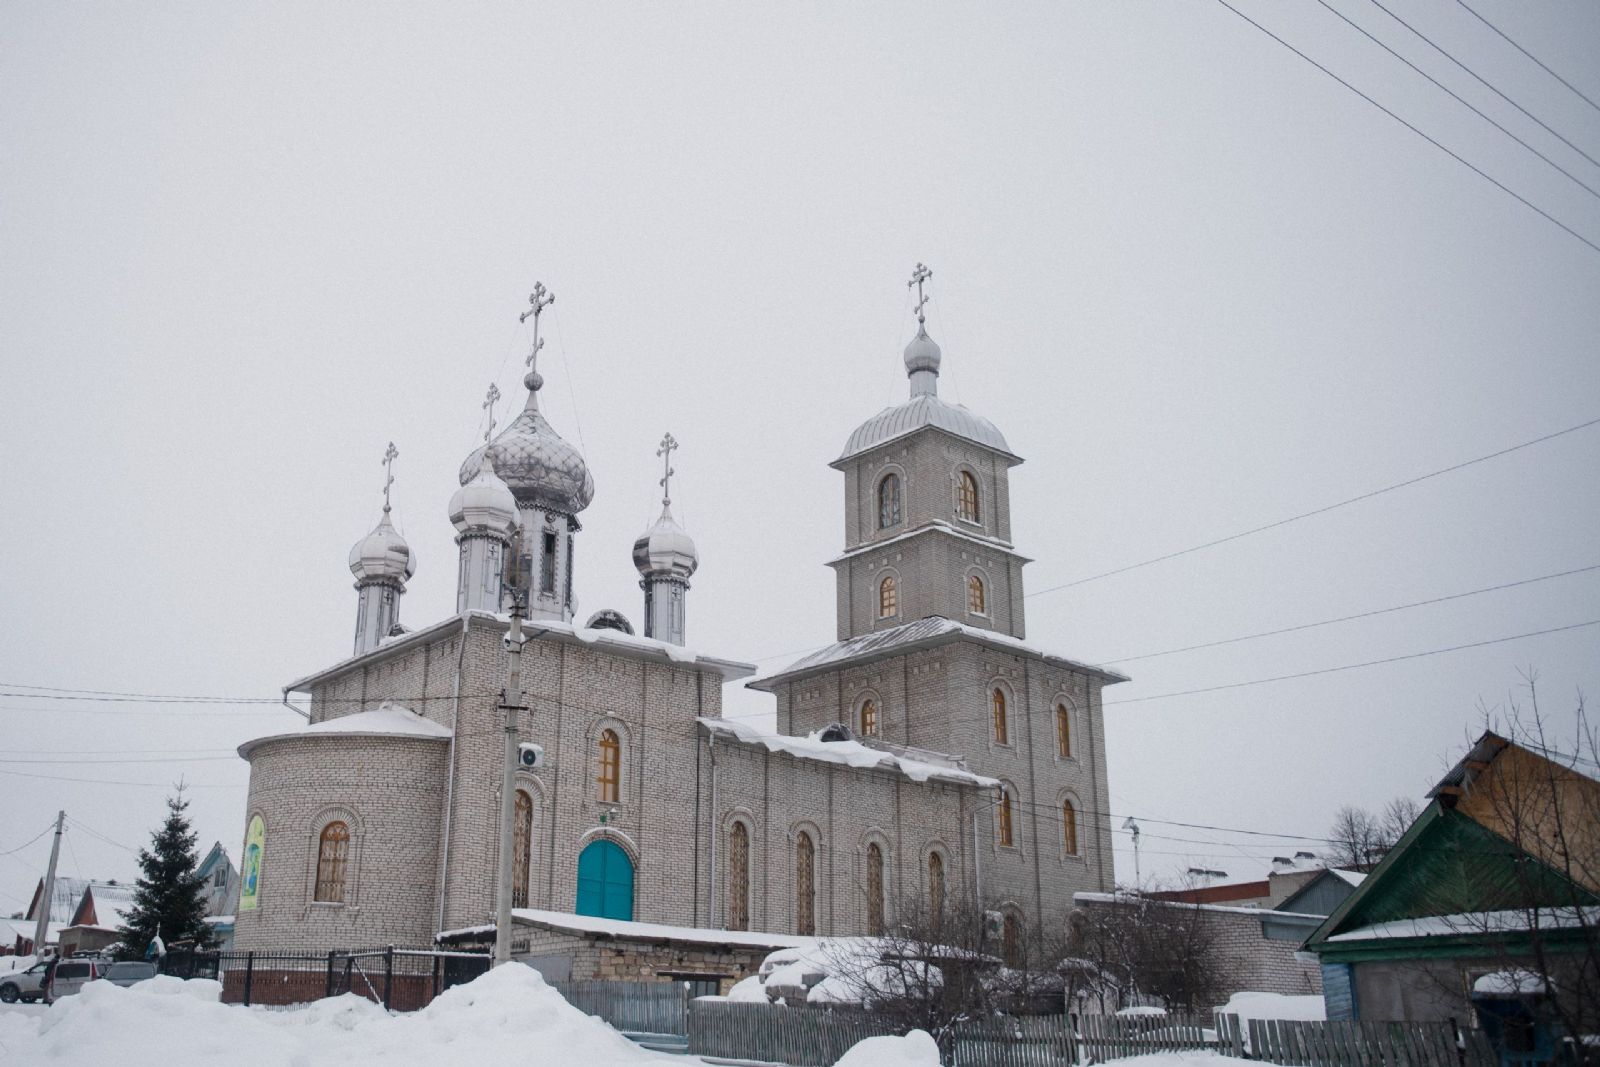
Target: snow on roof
(1351,878)
(1481,922)
(64,896)
(24,928)
(980,540)
(1510,983)
(112,903)
(387,720)
(934,629)
(627,929)
(1130,898)
(848,753)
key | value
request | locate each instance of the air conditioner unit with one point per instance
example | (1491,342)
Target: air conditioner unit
(530,757)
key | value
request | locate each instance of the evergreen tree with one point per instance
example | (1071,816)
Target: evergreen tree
(167,899)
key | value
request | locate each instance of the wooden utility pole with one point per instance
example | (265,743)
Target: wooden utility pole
(47,890)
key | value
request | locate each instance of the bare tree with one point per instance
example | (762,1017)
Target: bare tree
(1397,817)
(1358,839)
(1167,950)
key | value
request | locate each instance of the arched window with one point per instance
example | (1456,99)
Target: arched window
(521,850)
(874,890)
(889,501)
(997,704)
(1006,836)
(1011,940)
(332,853)
(739,877)
(869,718)
(967,497)
(888,599)
(1063,731)
(975,603)
(610,778)
(935,886)
(805,885)
(605,881)
(1069,827)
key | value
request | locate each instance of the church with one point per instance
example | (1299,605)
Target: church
(928,754)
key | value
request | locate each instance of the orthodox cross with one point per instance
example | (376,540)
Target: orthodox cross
(668,445)
(488,405)
(540,298)
(918,276)
(389,455)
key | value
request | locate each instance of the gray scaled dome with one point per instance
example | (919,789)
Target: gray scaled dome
(484,502)
(665,550)
(383,553)
(536,464)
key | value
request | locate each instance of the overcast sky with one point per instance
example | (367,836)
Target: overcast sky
(1198,284)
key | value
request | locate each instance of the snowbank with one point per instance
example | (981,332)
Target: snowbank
(1275,1006)
(916,1049)
(507,1016)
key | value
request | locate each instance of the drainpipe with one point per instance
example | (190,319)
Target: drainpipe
(450,773)
(303,714)
(711,818)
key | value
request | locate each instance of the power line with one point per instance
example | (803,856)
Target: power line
(29,841)
(1460,99)
(106,762)
(92,832)
(111,781)
(1487,84)
(1352,666)
(1440,146)
(1530,55)
(1324,509)
(1352,618)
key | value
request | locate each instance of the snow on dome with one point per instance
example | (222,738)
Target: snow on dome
(383,553)
(665,550)
(484,502)
(923,353)
(387,720)
(537,464)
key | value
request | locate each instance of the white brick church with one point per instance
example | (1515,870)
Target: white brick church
(928,754)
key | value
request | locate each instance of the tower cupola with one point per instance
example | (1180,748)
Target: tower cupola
(665,557)
(484,513)
(381,562)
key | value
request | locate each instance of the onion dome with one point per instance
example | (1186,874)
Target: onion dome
(923,357)
(484,502)
(381,554)
(665,550)
(538,466)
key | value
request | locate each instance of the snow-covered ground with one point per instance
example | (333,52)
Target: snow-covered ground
(507,1016)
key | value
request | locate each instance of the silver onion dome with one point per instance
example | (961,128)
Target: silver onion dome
(665,550)
(536,464)
(383,553)
(484,502)
(923,353)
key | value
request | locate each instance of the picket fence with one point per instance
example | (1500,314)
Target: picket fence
(632,1007)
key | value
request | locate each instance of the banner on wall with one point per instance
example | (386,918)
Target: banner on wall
(250,868)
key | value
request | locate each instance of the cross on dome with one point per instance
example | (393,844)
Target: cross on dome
(539,299)
(668,445)
(389,455)
(919,275)
(488,405)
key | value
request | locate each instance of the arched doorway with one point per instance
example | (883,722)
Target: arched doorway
(605,881)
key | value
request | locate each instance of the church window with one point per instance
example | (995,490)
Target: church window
(610,778)
(888,598)
(332,853)
(739,877)
(1011,940)
(874,891)
(889,501)
(521,849)
(1069,827)
(1063,731)
(975,602)
(997,705)
(869,718)
(547,565)
(967,497)
(1007,837)
(805,885)
(935,886)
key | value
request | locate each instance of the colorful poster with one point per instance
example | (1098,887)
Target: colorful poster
(250,869)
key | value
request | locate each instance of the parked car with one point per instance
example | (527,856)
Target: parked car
(25,985)
(128,972)
(71,975)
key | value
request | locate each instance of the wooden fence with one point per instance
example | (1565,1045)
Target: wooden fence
(802,1037)
(1359,1044)
(1037,1041)
(1113,1037)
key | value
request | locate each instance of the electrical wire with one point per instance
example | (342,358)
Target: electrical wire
(1485,82)
(31,840)
(92,832)
(1416,130)
(1530,55)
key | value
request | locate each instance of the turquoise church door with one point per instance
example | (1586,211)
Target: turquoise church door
(605,881)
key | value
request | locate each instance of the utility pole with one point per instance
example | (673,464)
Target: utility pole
(47,890)
(510,703)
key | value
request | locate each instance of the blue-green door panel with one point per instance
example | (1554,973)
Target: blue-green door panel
(605,881)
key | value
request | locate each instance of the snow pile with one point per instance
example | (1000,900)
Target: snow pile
(1513,983)
(9,964)
(1275,1006)
(838,970)
(916,1049)
(507,1016)
(1141,1010)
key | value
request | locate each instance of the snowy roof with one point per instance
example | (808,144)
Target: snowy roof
(926,409)
(1481,922)
(112,903)
(1351,878)
(932,630)
(928,527)
(848,753)
(24,928)
(388,720)
(1129,898)
(64,896)
(1512,983)
(626,929)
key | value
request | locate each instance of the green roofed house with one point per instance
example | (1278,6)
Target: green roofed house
(1499,875)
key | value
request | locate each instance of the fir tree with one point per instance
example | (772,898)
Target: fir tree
(167,899)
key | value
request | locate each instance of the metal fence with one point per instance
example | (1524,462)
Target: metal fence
(398,978)
(633,1007)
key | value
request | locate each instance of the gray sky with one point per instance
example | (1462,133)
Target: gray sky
(1198,284)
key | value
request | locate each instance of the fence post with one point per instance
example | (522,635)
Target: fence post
(388,976)
(328,990)
(249,975)
(437,962)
